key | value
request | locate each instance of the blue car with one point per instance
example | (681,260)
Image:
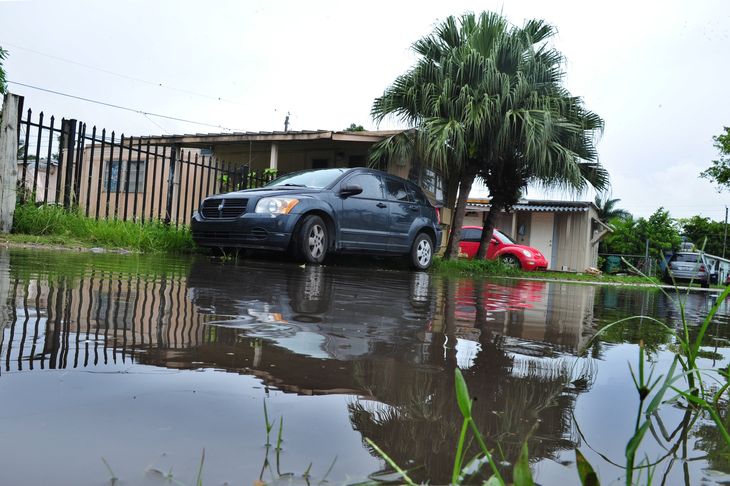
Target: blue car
(317,212)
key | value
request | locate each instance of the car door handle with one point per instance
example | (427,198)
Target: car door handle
(381,205)
(414,208)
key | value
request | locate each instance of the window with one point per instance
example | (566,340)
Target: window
(320,163)
(125,176)
(356,161)
(372,188)
(429,180)
(471,234)
(397,191)
(432,182)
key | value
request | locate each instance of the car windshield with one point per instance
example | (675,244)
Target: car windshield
(309,178)
(504,238)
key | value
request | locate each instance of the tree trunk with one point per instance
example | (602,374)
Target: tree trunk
(466,180)
(488,230)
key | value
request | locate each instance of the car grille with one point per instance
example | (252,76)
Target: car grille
(220,208)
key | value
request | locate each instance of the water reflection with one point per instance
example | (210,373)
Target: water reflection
(387,340)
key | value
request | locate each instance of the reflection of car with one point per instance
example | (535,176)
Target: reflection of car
(312,213)
(502,247)
(688,266)
(318,311)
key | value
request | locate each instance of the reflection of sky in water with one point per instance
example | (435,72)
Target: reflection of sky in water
(466,352)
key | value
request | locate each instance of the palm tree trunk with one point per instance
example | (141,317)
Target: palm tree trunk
(466,180)
(488,230)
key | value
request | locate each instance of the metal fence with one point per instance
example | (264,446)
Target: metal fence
(106,175)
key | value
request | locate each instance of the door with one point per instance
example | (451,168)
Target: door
(403,212)
(364,217)
(541,234)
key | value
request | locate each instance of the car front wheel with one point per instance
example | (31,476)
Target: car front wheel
(422,252)
(511,261)
(312,240)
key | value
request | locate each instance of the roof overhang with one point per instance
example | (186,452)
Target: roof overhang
(483,205)
(208,139)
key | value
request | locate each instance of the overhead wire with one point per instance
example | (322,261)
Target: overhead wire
(124,76)
(119,107)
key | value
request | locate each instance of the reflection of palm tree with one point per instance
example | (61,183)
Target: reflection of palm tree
(417,422)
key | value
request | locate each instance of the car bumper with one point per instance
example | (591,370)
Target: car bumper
(248,231)
(532,264)
(687,276)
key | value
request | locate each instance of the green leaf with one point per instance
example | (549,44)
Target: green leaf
(586,473)
(462,394)
(522,473)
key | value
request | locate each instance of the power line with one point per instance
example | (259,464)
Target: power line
(124,76)
(119,107)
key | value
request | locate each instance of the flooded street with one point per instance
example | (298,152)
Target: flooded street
(143,363)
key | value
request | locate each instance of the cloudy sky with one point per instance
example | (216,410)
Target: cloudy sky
(657,72)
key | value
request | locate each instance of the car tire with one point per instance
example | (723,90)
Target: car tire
(705,284)
(421,254)
(511,261)
(312,240)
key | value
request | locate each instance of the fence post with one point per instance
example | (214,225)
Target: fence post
(68,131)
(171,183)
(9,132)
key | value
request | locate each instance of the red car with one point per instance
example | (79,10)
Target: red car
(502,247)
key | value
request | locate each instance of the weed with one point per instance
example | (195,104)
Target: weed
(49,221)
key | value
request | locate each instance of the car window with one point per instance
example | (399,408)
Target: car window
(685,257)
(471,234)
(372,187)
(503,237)
(309,178)
(396,190)
(418,195)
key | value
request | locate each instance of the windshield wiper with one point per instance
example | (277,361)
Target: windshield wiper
(292,185)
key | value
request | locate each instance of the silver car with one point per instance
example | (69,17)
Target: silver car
(688,266)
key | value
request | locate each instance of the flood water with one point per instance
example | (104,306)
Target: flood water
(131,367)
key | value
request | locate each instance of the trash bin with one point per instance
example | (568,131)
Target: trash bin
(613,264)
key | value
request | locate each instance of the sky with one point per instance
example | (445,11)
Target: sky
(657,72)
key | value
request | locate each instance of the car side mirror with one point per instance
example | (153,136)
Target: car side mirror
(350,190)
(495,242)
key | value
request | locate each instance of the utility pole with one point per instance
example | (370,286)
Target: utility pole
(724,240)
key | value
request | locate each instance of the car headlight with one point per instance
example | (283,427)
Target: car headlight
(527,253)
(276,205)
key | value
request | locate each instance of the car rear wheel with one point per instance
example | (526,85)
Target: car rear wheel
(312,239)
(421,254)
(510,261)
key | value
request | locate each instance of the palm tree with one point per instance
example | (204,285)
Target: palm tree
(486,101)
(607,209)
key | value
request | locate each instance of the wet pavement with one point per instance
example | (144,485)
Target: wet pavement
(144,363)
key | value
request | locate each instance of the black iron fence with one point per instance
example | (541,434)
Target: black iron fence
(106,175)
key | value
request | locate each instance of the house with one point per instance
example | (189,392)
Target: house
(566,232)
(135,177)
(39,177)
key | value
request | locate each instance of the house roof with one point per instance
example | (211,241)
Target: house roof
(533,205)
(207,139)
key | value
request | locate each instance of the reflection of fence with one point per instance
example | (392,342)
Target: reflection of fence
(112,176)
(66,324)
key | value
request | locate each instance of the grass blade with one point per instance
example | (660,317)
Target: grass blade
(587,475)
(522,473)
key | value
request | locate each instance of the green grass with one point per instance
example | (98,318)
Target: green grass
(53,225)
(496,268)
